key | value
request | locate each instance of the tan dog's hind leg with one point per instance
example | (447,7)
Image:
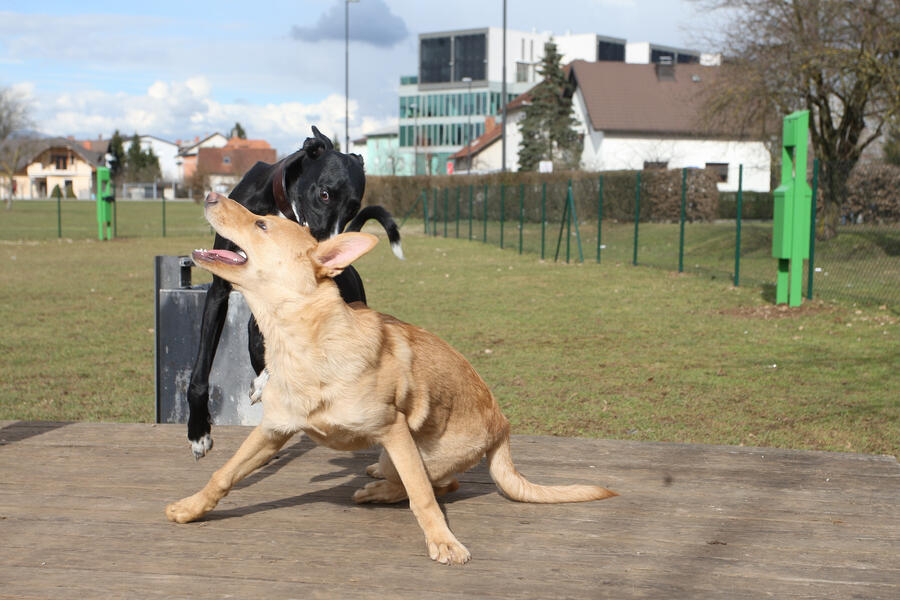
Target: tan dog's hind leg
(256,451)
(400,446)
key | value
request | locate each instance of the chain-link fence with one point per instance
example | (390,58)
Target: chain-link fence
(674,220)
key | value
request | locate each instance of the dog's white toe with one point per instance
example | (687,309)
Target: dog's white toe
(201,446)
(256,388)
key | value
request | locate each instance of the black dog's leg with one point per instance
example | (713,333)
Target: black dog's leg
(214,311)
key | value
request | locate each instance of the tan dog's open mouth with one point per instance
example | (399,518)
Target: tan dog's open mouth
(223,256)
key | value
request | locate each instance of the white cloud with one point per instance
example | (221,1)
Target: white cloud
(184,109)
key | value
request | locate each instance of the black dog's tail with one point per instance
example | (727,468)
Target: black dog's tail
(387,221)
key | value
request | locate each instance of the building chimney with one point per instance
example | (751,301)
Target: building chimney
(665,69)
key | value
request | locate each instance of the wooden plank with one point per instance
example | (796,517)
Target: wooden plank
(81,515)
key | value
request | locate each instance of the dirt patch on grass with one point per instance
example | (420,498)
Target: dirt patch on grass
(780,311)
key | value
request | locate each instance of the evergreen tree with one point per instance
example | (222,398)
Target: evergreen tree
(238,132)
(548,128)
(117,150)
(140,165)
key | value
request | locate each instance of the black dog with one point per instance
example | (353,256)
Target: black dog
(315,186)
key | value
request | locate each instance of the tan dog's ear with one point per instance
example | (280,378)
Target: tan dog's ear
(335,254)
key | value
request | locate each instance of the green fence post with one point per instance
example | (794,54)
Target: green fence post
(502,211)
(59,215)
(812,230)
(471,206)
(637,213)
(434,211)
(521,214)
(740,209)
(599,216)
(446,193)
(681,227)
(737,244)
(458,192)
(164,216)
(485,212)
(543,217)
(574,217)
(425,208)
(562,225)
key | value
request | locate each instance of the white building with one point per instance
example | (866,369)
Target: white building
(166,152)
(460,80)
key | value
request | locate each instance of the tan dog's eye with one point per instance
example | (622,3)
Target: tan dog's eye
(324,195)
(261,224)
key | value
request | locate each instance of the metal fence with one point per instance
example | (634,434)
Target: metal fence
(584,220)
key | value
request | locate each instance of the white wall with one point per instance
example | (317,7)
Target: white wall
(166,152)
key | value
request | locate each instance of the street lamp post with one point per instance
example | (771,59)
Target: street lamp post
(469,127)
(347,74)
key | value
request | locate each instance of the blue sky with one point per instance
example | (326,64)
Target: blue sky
(183,69)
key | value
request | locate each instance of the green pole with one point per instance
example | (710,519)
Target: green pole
(568,221)
(471,205)
(575,218)
(458,192)
(164,215)
(637,212)
(543,217)
(562,225)
(812,230)
(521,214)
(502,211)
(425,208)
(59,215)
(485,212)
(434,213)
(599,216)
(737,245)
(446,193)
(681,232)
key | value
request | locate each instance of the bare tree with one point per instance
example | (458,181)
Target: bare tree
(840,59)
(13,117)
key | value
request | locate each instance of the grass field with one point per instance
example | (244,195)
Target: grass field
(603,350)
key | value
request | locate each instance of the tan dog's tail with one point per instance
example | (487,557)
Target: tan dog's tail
(515,487)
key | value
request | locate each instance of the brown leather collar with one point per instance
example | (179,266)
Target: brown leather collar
(278,190)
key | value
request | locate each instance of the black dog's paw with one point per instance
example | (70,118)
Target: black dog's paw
(199,436)
(200,447)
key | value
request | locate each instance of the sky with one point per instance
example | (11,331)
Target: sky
(177,70)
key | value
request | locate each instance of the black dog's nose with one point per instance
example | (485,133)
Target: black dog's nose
(212,198)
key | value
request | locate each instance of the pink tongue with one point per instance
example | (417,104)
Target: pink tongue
(228,256)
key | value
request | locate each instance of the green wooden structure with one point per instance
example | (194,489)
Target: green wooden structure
(105,198)
(790,236)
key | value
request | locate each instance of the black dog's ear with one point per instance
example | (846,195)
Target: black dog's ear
(314,148)
(362,163)
(322,138)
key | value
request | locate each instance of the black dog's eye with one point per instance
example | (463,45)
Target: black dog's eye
(324,195)
(261,224)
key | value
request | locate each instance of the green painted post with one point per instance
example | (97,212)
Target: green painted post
(812,230)
(791,227)
(425,208)
(521,214)
(485,212)
(105,204)
(737,244)
(502,211)
(543,217)
(59,215)
(681,232)
(599,217)
(434,212)
(637,213)
(471,206)
(164,216)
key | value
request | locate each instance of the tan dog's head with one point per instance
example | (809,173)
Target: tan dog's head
(280,258)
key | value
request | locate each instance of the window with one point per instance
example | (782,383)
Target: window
(610,51)
(521,72)
(60,161)
(720,170)
(434,65)
(469,54)
(226,160)
(687,59)
(656,164)
(657,56)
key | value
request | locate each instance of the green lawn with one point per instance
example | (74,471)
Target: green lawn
(605,350)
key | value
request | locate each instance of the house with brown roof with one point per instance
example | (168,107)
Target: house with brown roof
(635,116)
(38,166)
(222,168)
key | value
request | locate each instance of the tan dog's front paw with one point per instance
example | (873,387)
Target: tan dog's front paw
(448,552)
(383,492)
(374,470)
(189,509)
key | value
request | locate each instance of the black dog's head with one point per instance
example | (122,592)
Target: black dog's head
(324,187)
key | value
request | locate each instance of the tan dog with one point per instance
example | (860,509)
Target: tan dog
(350,378)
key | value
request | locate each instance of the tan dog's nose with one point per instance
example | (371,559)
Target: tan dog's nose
(212,198)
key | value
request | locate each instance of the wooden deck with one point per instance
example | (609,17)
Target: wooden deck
(81,516)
